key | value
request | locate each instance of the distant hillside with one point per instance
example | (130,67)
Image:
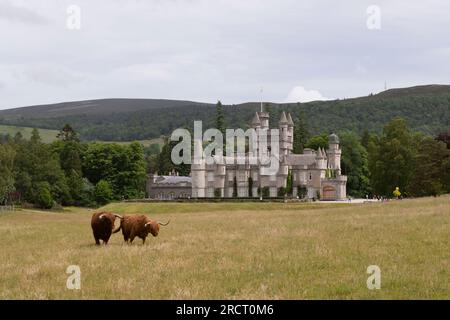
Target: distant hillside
(46,134)
(90,107)
(426,108)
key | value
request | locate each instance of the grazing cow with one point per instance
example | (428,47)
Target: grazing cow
(102,224)
(139,226)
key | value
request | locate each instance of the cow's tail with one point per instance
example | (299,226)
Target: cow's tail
(120,225)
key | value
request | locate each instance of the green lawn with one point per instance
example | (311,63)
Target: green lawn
(235,250)
(47,135)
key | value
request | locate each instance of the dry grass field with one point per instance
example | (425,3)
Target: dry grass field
(234,251)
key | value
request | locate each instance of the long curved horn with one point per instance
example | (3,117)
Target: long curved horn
(101,216)
(163,224)
(118,216)
(147,223)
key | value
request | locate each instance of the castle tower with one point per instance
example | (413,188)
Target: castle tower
(264,118)
(290,132)
(284,135)
(321,159)
(256,122)
(198,171)
(334,153)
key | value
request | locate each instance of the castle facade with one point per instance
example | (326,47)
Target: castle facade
(314,174)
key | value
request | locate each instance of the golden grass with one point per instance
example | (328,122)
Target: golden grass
(233,251)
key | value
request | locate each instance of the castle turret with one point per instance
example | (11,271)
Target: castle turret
(198,171)
(334,153)
(290,132)
(264,118)
(284,134)
(321,159)
(256,122)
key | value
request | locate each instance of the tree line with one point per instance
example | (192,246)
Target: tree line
(68,171)
(376,163)
(72,172)
(427,113)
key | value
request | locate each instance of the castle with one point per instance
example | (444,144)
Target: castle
(314,174)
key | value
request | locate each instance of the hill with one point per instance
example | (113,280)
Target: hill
(46,134)
(426,108)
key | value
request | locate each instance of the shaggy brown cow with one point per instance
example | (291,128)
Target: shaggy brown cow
(102,224)
(138,226)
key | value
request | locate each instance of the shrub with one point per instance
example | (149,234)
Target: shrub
(302,191)
(102,192)
(43,197)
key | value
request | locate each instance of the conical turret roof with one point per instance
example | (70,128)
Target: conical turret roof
(289,119)
(256,121)
(283,119)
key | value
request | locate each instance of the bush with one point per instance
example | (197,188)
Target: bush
(265,192)
(43,197)
(102,192)
(281,192)
(302,191)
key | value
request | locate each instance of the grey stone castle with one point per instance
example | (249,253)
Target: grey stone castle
(315,174)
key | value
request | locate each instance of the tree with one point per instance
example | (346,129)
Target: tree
(300,134)
(431,172)
(391,158)
(36,163)
(220,118)
(7,155)
(35,136)
(365,139)
(164,162)
(235,190)
(67,134)
(103,193)
(444,137)
(123,166)
(318,141)
(354,164)
(42,195)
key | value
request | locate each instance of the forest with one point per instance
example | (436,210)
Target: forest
(426,109)
(396,161)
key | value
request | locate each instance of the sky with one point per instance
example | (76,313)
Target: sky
(207,50)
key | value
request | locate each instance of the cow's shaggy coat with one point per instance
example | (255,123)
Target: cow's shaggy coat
(102,224)
(138,226)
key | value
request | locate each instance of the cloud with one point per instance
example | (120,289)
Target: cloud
(52,74)
(12,12)
(300,94)
(226,49)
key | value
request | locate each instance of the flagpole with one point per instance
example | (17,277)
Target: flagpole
(261,99)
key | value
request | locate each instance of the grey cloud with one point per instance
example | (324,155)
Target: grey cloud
(215,49)
(11,12)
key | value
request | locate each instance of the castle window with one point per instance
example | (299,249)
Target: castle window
(242,175)
(310,176)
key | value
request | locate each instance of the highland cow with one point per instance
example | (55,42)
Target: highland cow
(138,226)
(102,224)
